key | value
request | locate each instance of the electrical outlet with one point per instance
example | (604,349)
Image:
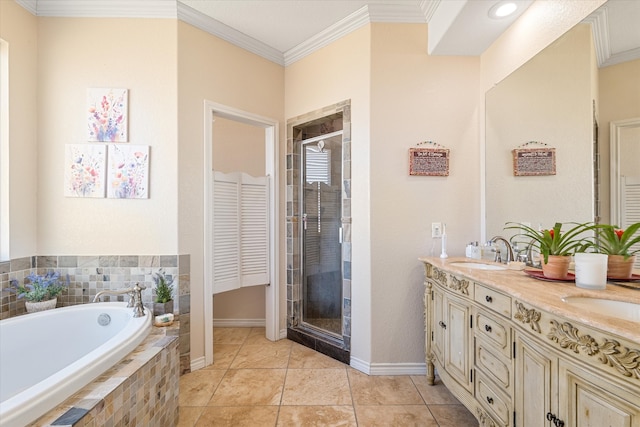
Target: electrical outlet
(436,230)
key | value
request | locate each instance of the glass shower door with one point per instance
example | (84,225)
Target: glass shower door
(322,233)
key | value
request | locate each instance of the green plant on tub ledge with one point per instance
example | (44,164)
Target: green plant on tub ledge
(555,246)
(163,300)
(40,291)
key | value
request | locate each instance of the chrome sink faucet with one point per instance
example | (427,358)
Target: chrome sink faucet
(507,244)
(135,298)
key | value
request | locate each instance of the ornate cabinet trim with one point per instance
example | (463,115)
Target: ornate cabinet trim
(528,315)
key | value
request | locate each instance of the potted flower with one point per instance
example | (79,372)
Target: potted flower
(40,291)
(618,245)
(163,300)
(555,246)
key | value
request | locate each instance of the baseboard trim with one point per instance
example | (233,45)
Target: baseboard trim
(239,323)
(388,368)
(197,363)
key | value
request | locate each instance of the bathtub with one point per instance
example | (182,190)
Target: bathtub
(46,357)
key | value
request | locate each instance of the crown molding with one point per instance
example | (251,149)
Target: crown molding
(600,29)
(30,5)
(429,7)
(105,8)
(212,26)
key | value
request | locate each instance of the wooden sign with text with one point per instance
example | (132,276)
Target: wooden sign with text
(429,161)
(534,161)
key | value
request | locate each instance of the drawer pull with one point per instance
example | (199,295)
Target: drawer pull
(490,400)
(488,299)
(556,421)
(442,324)
(487,328)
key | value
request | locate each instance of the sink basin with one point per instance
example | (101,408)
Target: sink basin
(477,265)
(619,309)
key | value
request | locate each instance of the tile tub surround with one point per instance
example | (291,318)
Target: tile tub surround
(141,390)
(90,274)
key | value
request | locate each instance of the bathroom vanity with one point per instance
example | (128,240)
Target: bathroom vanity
(518,351)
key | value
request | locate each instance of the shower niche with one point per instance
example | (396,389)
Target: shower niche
(319,230)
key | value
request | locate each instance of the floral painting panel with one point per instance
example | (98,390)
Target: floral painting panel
(84,174)
(107,115)
(128,172)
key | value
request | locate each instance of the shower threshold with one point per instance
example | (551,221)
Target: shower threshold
(321,341)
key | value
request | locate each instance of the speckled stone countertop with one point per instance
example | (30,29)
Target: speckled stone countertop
(548,296)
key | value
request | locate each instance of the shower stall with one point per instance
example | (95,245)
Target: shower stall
(318,231)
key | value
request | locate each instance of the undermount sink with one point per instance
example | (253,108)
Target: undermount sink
(619,309)
(477,265)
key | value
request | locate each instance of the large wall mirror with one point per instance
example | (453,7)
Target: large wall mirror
(565,98)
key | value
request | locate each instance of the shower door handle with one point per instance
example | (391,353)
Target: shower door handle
(340,235)
(304,221)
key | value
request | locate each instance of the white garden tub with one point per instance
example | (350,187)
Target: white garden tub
(46,357)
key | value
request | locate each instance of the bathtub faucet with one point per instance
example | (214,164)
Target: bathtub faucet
(135,298)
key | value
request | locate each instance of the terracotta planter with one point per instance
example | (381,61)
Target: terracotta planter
(557,267)
(619,268)
(34,307)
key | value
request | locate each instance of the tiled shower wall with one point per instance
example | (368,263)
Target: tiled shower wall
(90,274)
(294,280)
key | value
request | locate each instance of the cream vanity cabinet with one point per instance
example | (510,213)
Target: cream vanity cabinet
(513,364)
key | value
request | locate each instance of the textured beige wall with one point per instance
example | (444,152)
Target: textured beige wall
(212,69)
(77,54)
(416,97)
(18,28)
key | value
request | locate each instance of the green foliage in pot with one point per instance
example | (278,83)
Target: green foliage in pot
(164,287)
(612,240)
(37,288)
(554,241)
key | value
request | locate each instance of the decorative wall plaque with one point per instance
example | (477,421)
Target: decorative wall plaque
(534,161)
(429,161)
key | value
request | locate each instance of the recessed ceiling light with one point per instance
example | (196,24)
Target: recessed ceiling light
(502,9)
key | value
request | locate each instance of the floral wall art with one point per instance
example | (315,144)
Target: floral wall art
(107,111)
(128,171)
(84,171)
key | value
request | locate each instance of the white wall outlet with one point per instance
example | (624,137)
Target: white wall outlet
(436,230)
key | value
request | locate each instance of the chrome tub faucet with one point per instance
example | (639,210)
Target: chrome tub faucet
(135,298)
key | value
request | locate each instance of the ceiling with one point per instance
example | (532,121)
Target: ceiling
(285,31)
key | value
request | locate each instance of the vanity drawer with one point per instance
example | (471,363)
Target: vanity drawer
(493,300)
(493,364)
(496,403)
(494,331)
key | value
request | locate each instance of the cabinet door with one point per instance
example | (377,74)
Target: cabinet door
(536,384)
(457,340)
(438,325)
(590,400)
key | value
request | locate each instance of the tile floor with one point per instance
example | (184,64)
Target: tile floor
(254,382)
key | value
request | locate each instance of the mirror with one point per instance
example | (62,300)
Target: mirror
(556,101)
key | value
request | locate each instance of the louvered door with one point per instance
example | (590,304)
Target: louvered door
(240,231)
(630,205)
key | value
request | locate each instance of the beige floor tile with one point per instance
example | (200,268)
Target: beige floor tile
(383,389)
(316,416)
(304,357)
(189,415)
(453,416)
(273,355)
(395,416)
(316,387)
(196,388)
(230,335)
(239,416)
(258,336)
(223,355)
(249,387)
(436,394)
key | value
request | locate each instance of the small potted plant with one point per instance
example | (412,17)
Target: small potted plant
(555,246)
(163,299)
(617,244)
(40,291)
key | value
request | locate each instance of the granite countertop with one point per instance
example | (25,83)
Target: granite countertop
(547,295)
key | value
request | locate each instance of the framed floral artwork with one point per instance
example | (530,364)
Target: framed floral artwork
(84,172)
(128,171)
(107,115)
